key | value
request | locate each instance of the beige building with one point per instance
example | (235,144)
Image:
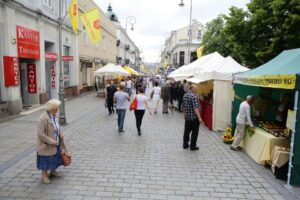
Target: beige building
(93,56)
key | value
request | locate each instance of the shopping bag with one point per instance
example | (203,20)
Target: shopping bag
(133,104)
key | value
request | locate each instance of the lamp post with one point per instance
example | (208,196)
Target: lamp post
(181,4)
(61,93)
(131,20)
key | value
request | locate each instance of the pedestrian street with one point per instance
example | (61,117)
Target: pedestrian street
(106,165)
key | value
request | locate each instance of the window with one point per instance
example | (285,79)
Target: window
(84,74)
(85,36)
(66,67)
(181,58)
(48,3)
(65,4)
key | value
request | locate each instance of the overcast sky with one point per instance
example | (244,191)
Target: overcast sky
(155,19)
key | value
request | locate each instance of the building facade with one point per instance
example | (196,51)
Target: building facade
(127,51)
(175,52)
(93,56)
(29,44)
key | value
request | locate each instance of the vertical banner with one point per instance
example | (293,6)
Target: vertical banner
(73,13)
(31,78)
(200,51)
(11,71)
(53,80)
(91,22)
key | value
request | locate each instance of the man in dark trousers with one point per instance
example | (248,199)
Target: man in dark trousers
(110,92)
(191,109)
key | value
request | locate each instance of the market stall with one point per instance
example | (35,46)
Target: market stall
(216,91)
(275,86)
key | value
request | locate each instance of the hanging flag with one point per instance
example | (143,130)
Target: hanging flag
(73,13)
(200,51)
(91,22)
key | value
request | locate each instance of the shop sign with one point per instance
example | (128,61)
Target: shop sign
(270,81)
(50,56)
(53,80)
(67,58)
(28,43)
(31,77)
(11,71)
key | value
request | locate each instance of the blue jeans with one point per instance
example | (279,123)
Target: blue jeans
(121,116)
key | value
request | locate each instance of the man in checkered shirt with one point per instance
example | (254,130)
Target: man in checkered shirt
(191,109)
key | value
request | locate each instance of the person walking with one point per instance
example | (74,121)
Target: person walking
(243,118)
(110,92)
(142,104)
(191,109)
(50,142)
(166,95)
(121,98)
(156,96)
(128,86)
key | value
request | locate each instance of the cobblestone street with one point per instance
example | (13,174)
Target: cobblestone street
(111,166)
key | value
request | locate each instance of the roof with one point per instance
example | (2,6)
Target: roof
(286,63)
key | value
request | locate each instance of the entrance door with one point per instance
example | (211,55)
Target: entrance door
(24,85)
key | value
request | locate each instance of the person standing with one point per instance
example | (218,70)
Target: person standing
(156,96)
(121,98)
(191,109)
(110,92)
(128,86)
(173,91)
(180,92)
(166,95)
(50,142)
(243,118)
(142,104)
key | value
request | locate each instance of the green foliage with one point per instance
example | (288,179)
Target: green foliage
(255,36)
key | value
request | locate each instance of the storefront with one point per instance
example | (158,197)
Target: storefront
(276,140)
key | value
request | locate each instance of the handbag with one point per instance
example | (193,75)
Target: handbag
(133,104)
(66,157)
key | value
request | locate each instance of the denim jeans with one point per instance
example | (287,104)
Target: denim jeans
(121,116)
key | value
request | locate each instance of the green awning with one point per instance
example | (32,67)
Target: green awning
(280,72)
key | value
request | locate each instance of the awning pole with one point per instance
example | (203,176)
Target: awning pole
(292,141)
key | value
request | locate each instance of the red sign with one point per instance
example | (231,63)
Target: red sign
(50,56)
(67,58)
(31,77)
(28,42)
(11,71)
(53,80)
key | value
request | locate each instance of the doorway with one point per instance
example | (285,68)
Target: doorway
(24,82)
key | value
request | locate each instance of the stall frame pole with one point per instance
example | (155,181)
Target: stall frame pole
(292,141)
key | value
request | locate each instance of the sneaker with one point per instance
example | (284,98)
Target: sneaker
(235,149)
(194,148)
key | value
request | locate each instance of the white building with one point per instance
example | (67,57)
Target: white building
(127,51)
(29,46)
(175,51)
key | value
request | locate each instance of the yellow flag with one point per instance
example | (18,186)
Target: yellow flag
(73,13)
(91,22)
(200,51)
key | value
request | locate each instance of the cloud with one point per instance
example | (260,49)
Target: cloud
(156,18)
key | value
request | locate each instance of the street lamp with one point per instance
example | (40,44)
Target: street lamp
(131,20)
(181,4)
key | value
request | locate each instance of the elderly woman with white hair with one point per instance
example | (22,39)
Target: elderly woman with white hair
(49,142)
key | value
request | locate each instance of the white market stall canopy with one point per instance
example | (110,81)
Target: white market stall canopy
(111,70)
(195,67)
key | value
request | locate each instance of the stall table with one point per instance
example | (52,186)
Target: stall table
(206,113)
(260,144)
(279,157)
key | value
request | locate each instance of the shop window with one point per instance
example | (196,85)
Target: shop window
(85,36)
(84,74)
(66,67)
(48,3)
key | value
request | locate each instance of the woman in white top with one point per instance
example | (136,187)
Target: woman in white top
(156,96)
(142,104)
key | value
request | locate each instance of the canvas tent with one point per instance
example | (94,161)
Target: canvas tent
(283,75)
(111,70)
(195,67)
(220,77)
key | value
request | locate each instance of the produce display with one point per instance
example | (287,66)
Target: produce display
(227,136)
(271,127)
